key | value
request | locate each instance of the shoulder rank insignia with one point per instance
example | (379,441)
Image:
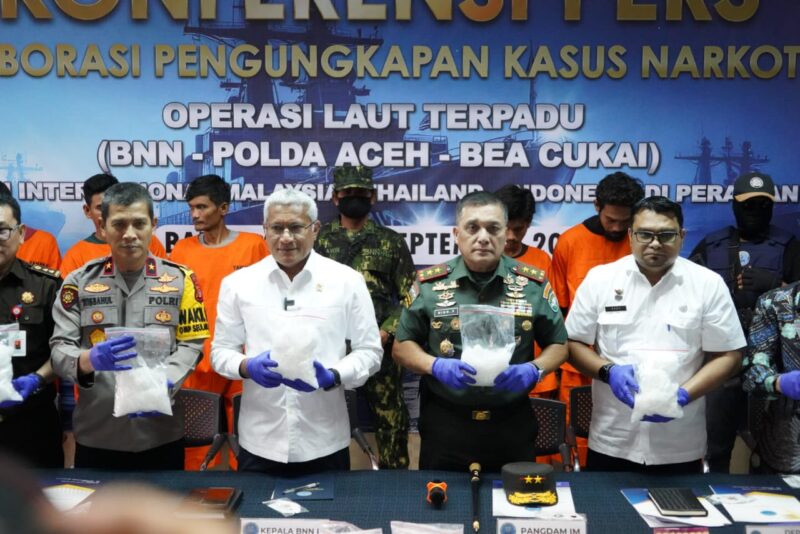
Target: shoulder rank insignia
(108,267)
(150,268)
(433,273)
(44,270)
(527,271)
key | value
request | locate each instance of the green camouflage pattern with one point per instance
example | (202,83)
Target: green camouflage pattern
(382,257)
(347,177)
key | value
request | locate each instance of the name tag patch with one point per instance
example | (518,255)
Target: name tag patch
(616,308)
(446,312)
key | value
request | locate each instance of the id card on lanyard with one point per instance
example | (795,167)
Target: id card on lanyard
(11,335)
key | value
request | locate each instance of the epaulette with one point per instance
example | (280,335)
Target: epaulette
(434,272)
(171,263)
(52,273)
(535,274)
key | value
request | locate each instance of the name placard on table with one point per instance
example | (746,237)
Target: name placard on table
(514,525)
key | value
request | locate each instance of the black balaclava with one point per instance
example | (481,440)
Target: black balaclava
(355,207)
(753,218)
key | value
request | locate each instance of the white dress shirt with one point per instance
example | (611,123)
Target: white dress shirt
(282,424)
(671,324)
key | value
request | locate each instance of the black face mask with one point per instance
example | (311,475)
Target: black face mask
(753,218)
(355,207)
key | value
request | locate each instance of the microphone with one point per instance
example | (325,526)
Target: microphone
(437,493)
(287,303)
(475,482)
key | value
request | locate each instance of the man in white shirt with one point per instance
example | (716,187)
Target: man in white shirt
(290,427)
(652,310)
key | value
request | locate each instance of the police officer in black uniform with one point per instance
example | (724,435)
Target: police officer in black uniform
(752,257)
(29,428)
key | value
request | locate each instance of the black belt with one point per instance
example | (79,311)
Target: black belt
(482,413)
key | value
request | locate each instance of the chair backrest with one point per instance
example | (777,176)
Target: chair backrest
(202,412)
(237,405)
(351,398)
(580,410)
(551,415)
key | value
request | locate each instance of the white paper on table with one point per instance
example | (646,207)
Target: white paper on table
(761,507)
(66,496)
(640,501)
(563,509)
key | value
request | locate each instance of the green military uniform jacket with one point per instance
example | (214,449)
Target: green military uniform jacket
(381,256)
(432,319)
(96,297)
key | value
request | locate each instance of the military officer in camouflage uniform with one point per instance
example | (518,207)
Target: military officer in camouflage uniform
(129,288)
(460,424)
(382,257)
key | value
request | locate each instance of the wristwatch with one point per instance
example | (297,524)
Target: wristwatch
(602,374)
(337,379)
(541,372)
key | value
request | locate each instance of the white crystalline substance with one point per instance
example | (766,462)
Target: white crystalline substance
(7,391)
(487,362)
(141,390)
(294,350)
(658,394)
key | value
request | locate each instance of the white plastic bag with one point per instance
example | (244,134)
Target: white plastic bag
(487,340)
(7,391)
(294,349)
(143,388)
(656,373)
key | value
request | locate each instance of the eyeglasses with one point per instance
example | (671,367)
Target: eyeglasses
(5,233)
(665,238)
(294,229)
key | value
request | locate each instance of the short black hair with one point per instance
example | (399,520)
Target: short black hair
(661,205)
(519,202)
(619,189)
(4,190)
(97,184)
(210,185)
(480,198)
(126,194)
(11,202)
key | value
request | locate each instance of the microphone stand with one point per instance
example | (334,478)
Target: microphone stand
(475,482)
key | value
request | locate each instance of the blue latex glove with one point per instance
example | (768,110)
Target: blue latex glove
(325,379)
(683,400)
(135,415)
(453,373)
(518,377)
(25,386)
(259,369)
(623,383)
(790,384)
(106,355)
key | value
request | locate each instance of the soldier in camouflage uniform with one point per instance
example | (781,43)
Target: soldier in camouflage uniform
(382,257)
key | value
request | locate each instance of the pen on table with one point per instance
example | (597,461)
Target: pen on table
(303,487)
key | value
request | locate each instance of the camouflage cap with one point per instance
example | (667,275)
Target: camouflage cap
(348,177)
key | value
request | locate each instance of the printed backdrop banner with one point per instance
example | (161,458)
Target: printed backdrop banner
(439,97)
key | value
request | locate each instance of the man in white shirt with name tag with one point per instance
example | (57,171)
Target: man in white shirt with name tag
(289,427)
(652,309)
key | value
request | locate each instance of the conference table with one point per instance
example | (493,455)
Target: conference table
(371,499)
